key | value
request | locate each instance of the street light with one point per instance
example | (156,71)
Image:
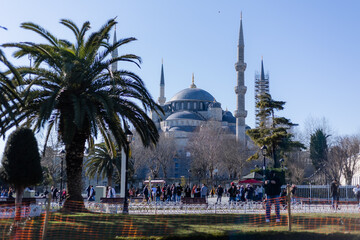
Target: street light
(129,136)
(62,169)
(189,172)
(282,163)
(263,151)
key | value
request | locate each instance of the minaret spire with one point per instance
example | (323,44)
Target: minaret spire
(114,53)
(240,89)
(262,74)
(162,98)
(193,82)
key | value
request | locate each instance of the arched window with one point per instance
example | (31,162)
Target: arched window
(201,106)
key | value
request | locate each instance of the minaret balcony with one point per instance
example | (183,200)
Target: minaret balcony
(240,66)
(240,89)
(240,113)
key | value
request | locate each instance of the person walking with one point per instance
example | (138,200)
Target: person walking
(356,191)
(293,189)
(335,194)
(187,192)
(179,190)
(204,191)
(111,192)
(232,193)
(146,193)
(219,192)
(272,189)
(92,194)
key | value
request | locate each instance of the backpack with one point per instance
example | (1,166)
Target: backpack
(94,193)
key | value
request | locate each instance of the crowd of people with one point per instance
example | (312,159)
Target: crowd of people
(7,192)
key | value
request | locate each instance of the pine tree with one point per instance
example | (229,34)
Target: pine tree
(21,163)
(273,132)
(318,148)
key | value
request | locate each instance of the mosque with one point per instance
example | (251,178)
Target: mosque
(193,106)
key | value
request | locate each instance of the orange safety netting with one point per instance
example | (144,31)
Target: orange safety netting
(99,225)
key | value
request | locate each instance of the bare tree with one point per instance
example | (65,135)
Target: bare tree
(350,145)
(157,158)
(213,147)
(204,147)
(296,164)
(336,159)
(234,156)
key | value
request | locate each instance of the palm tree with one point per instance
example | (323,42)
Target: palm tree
(74,90)
(103,162)
(10,99)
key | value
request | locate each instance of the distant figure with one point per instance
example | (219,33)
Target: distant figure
(187,191)
(54,192)
(146,193)
(63,194)
(219,193)
(179,190)
(232,193)
(88,191)
(91,194)
(204,191)
(335,194)
(111,192)
(249,192)
(293,189)
(272,189)
(356,191)
(158,193)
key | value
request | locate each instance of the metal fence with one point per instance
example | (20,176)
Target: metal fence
(323,192)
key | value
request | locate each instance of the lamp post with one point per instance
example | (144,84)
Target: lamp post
(263,151)
(282,163)
(189,172)
(129,136)
(62,169)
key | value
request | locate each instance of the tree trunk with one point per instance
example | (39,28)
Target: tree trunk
(18,200)
(110,179)
(74,167)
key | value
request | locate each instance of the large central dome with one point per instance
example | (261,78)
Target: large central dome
(193,94)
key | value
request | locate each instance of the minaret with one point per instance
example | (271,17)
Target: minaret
(261,86)
(114,54)
(240,90)
(162,99)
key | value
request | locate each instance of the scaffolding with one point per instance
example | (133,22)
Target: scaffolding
(261,87)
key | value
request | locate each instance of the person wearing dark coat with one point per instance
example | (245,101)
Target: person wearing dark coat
(232,193)
(272,189)
(219,192)
(335,193)
(187,191)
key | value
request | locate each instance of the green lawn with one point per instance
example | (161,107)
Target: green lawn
(224,226)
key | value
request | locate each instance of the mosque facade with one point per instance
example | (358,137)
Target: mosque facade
(191,107)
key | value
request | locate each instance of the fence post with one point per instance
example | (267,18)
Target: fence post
(288,198)
(346,189)
(46,217)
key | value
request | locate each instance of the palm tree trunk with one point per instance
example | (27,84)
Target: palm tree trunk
(110,179)
(74,167)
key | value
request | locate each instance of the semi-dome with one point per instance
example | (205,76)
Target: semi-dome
(193,94)
(228,117)
(184,115)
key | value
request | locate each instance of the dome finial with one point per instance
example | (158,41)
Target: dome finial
(193,82)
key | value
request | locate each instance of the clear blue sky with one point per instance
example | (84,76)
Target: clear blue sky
(310,48)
